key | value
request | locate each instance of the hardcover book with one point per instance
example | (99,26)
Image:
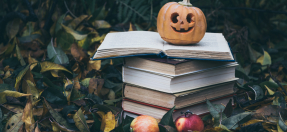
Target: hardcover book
(180,100)
(134,108)
(213,46)
(178,83)
(171,66)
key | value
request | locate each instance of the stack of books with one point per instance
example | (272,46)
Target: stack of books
(181,76)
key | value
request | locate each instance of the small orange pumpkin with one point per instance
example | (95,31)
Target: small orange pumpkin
(181,23)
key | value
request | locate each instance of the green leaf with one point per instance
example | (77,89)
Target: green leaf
(254,55)
(76,35)
(111,102)
(30,38)
(58,116)
(233,121)
(64,39)
(259,93)
(80,121)
(216,110)
(58,24)
(14,123)
(167,118)
(4,87)
(61,57)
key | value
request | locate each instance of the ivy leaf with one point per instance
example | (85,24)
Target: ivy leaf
(233,121)
(80,121)
(167,118)
(61,57)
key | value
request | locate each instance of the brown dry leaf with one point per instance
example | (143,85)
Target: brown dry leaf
(95,86)
(10,93)
(19,56)
(37,129)
(38,111)
(108,122)
(105,91)
(94,65)
(14,108)
(1,81)
(12,27)
(28,113)
(77,52)
(48,66)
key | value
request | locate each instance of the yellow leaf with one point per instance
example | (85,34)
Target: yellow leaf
(76,35)
(102,24)
(34,90)
(94,65)
(10,93)
(264,60)
(82,42)
(31,60)
(98,38)
(251,122)
(108,122)
(14,108)
(55,73)
(48,66)
(19,77)
(111,62)
(269,90)
(19,56)
(131,27)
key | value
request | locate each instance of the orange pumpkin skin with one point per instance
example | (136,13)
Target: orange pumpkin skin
(181,25)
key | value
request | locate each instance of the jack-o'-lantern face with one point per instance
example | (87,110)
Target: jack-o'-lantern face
(179,24)
(182,23)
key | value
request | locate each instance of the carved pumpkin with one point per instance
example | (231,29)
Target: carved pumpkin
(181,23)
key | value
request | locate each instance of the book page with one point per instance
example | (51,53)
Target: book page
(132,39)
(210,42)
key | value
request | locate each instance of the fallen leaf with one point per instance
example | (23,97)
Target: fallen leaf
(77,52)
(76,35)
(12,27)
(19,56)
(31,60)
(48,66)
(34,90)
(27,116)
(14,123)
(14,108)
(269,90)
(102,24)
(80,121)
(10,93)
(95,86)
(7,74)
(55,73)
(232,122)
(19,77)
(94,65)
(108,122)
(264,60)
(59,54)
(57,116)
(57,127)
(37,129)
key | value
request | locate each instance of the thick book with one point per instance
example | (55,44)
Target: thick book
(171,66)
(180,100)
(213,46)
(134,108)
(178,83)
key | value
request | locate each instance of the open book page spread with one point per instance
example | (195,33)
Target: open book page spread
(132,39)
(213,45)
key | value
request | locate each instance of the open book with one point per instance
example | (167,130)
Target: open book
(213,46)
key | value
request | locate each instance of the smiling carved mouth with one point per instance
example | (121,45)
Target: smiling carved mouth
(182,30)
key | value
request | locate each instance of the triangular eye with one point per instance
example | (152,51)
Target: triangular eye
(173,17)
(189,18)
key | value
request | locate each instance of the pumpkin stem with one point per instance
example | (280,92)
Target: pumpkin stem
(185,3)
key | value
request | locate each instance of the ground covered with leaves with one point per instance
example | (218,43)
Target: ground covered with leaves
(49,83)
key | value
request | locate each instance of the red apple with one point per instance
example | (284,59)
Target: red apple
(189,122)
(144,123)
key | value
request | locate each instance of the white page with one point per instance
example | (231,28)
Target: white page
(132,39)
(210,42)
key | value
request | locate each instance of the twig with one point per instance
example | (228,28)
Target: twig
(69,9)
